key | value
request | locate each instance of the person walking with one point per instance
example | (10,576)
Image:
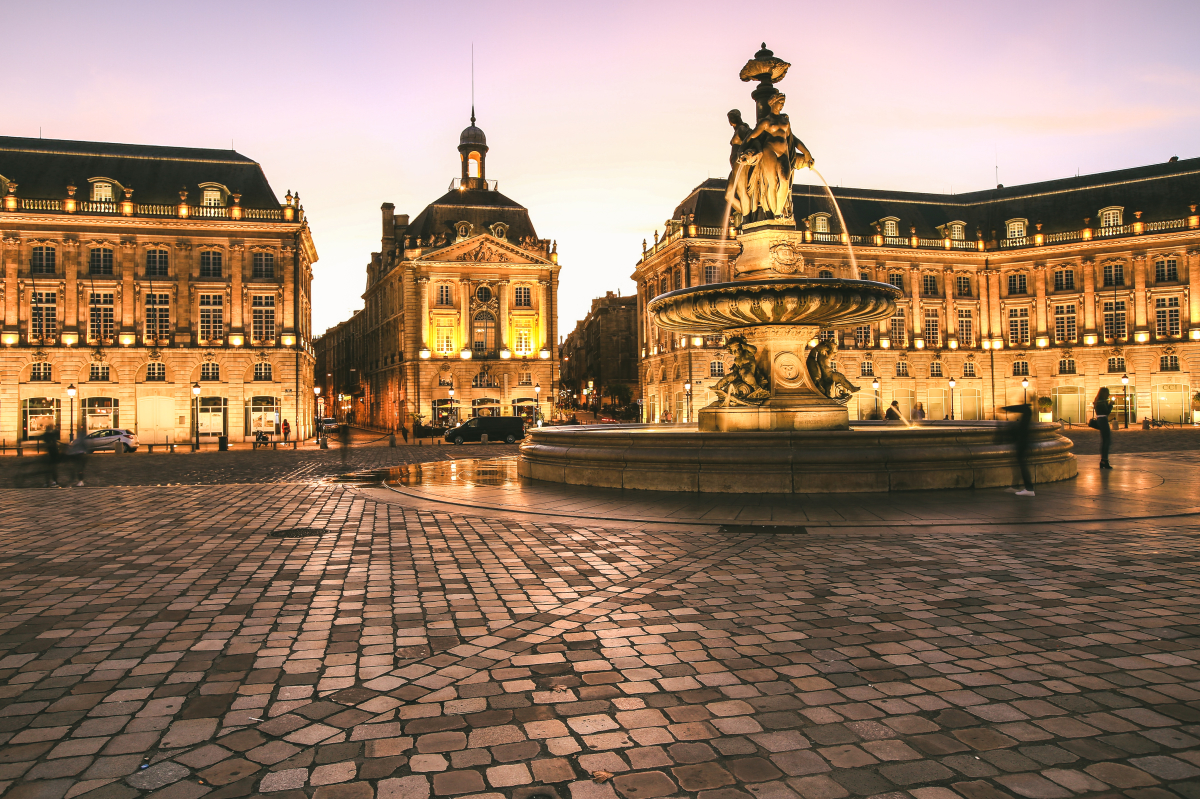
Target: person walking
(287,430)
(893,412)
(50,440)
(1020,431)
(918,414)
(77,454)
(1103,405)
(344,441)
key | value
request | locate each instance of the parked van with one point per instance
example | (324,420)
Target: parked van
(508,429)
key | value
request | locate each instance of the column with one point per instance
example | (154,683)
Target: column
(1039,293)
(183,308)
(1089,295)
(1139,291)
(125,274)
(237,266)
(543,323)
(288,314)
(951,323)
(997,323)
(70,256)
(464,294)
(1193,282)
(983,322)
(502,295)
(423,289)
(12,255)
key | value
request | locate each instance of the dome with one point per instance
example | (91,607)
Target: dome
(472,135)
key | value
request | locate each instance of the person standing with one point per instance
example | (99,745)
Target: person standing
(287,430)
(918,414)
(1103,405)
(1021,431)
(50,439)
(893,412)
(77,452)
(344,442)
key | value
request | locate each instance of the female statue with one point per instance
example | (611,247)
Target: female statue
(774,154)
(735,191)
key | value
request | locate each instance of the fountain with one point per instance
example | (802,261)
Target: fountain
(779,424)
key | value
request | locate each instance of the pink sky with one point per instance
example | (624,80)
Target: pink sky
(601,117)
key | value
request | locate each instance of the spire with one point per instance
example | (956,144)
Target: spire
(472,113)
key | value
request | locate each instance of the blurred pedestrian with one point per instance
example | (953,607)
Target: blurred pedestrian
(918,414)
(1021,431)
(50,440)
(287,430)
(77,455)
(893,412)
(1103,405)
(344,441)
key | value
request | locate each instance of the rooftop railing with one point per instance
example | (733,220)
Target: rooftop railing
(73,207)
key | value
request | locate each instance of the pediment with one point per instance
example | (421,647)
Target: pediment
(484,248)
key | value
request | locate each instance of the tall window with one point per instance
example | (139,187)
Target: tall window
(483,333)
(156,263)
(100,261)
(42,261)
(866,369)
(1066,366)
(1166,271)
(98,371)
(524,341)
(522,297)
(958,231)
(1017,284)
(969,369)
(1114,319)
(41,372)
(1114,274)
(1064,280)
(1166,315)
(262,371)
(262,307)
(712,273)
(966,328)
(897,280)
(896,329)
(891,227)
(158,316)
(102,192)
(933,335)
(677,279)
(821,224)
(929,285)
(43,315)
(210,263)
(525,379)
(264,265)
(212,316)
(156,372)
(100,316)
(1116,365)
(901,368)
(664,285)
(935,369)
(1110,217)
(444,339)
(1018,325)
(445,294)
(862,336)
(1168,363)
(211,197)
(1064,323)
(1016,229)
(963,284)
(716,369)
(1020,368)
(210,371)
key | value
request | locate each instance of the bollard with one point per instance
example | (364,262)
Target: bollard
(172,448)
(20,448)
(275,445)
(324,442)
(392,440)
(118,448)
(483,439)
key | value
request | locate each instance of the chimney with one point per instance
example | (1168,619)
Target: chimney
(389,227)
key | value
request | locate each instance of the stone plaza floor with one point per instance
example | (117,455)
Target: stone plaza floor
(237,624)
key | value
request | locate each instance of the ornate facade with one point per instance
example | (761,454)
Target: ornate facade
(1048,290)
(203,279)
(459,312)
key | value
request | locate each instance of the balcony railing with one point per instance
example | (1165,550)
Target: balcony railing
(181,211)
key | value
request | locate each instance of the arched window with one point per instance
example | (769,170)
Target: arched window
(483,333)
(821,224)
(891,228)
(1110,217)
(957,231)
(100,261)
(935,369)
(1016,228)
(156,372)
(473,165)
(262,371)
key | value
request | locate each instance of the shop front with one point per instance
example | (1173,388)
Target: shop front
(1070,404)
(213,417)
(485,406)
(38,413)
(262,416)
(100,413)
(525,406)
(1171,402)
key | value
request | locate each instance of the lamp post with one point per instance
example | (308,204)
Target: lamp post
(875,385)
(1125,391)
(537,403)
(952,384)
(71,394)
(687,392)
(316,413)
(195,416)
(453,409)
(423,355)
(1025,386)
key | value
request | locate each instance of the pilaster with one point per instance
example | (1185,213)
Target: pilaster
(1089,295)
(1139,291)
(1039,294)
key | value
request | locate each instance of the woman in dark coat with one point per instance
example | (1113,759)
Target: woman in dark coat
(1103,406)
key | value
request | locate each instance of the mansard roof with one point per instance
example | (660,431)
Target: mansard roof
(481,207)
(1159,191)
(42,169)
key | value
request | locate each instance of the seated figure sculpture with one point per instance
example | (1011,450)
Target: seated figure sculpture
(745,383)
(825,378)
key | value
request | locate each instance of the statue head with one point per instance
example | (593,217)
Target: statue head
(775,101)
(735,118)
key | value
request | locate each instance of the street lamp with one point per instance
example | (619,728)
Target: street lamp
(316,412)
(537,409)
(1025,386)
(71,394)
(196,416)
(952,384)
(453,409)
(875,385)
(1125,391)
(687,392)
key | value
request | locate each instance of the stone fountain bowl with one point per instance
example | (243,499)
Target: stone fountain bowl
(799,301)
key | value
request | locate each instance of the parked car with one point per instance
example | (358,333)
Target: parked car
(111,438)
(508,429)
(329,423)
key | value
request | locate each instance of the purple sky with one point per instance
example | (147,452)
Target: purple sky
(601,117)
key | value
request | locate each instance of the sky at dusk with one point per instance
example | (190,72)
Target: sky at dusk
(601,117)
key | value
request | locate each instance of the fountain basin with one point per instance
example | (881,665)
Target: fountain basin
(873,456)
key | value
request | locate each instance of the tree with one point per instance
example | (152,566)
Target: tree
(619,393)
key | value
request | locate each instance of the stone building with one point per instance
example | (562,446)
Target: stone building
(1047,290)
(459,314)
(135,274)
(602,350)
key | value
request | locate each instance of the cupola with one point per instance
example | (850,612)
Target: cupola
(472,148)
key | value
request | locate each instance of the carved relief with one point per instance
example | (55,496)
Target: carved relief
(484,252)
(785,259)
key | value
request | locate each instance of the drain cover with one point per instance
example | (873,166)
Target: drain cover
(297,532)
(760,529)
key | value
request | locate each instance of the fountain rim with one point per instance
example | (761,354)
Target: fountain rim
(773,283)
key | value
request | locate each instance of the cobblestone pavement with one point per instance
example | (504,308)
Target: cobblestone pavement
(173,641)
(1135,439)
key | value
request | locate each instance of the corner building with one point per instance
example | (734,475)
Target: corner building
(458,317)
(1068,285)
(133,273)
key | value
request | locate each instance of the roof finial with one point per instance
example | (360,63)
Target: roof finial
(472,83)
(472,113)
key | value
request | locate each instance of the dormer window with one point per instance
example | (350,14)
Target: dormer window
(1111,217)
(102,192)
(820,224)
(891,227)
(211,197)
(500,230)
(463,229)
(1016,228)
(958,231)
